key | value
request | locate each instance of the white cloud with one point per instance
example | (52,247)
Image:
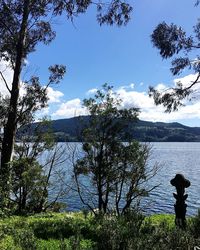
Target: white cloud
(7,74)
(187,80)
(151,112)
(130,86)
(42,113)
(26,62)
(91,91)
(54,95)
(132,98)
(70,109)
(161,87)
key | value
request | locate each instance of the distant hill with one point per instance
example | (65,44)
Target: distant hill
(166,132)
(69,130)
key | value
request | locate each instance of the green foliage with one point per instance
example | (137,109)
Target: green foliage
(143,131)
(28,181)
(115,170)
(171,41)
(162,237)
(60,226)
(40,30)
(127,232)
(50,244)
(156,219)
(7,243)
(25,239)
(52,228)
(195,225)
(65,244)
(25,24)
(117,232)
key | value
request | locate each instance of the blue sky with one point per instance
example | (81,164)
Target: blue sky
(123,57)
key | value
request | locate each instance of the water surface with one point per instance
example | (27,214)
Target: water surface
(176,157)
(173,158)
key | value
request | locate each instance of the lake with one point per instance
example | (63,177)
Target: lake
(176,157)
(173,157)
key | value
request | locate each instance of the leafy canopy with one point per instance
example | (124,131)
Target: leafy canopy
(115,171)
(173,42)
(40,14)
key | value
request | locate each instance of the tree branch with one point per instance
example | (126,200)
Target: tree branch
(195,82)
(5,82)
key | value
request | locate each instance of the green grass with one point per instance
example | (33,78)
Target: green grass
(69,231)
(47,231)
(157,219)
(168,219)
(53,244)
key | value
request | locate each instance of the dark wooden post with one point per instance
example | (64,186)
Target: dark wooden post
(180,183)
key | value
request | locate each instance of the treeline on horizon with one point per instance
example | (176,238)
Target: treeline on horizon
(69,130)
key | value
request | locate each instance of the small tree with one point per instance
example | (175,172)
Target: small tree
(35,170)
(115,171)
(34,99)
(27,182)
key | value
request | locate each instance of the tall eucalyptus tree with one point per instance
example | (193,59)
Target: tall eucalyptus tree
(24,24)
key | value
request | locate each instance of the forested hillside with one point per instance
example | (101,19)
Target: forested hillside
(70,130)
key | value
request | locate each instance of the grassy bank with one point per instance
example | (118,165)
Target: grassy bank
(79,231)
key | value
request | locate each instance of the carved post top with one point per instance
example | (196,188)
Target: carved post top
(180,181)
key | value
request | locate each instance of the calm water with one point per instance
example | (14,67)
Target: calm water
(173,157)
(176,157)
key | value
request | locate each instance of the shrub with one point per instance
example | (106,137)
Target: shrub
(195,225)
(116,232)
(65,244)
(78,232)
(7,243)
(58,227)
(53,244)
(25,239)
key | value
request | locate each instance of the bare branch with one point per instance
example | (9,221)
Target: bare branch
(195,82)
(9,90)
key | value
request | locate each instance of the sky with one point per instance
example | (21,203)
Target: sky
(123,57)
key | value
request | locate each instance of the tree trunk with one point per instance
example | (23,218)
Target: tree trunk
(24,199)
(10,127)
(100,200)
